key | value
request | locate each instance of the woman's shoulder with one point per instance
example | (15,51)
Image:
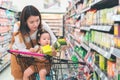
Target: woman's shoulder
(16,27)
(17,24)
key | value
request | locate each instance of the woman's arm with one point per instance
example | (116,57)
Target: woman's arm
(47,28)
(16,42)
(15,31)
(19,44)
(54,52)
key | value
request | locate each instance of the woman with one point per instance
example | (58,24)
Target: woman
(25,37)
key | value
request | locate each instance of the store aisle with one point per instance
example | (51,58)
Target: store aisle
(6,74)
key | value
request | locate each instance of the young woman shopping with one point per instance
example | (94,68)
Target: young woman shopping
(24,37)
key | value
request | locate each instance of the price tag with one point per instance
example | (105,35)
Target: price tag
(116,17)
(101,75)
(108,28)
(98,49)
(104,28)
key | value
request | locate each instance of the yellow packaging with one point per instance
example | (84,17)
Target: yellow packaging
(118,42)
(111,69)
(115,41)
(116,29)
(101,62)
(47,50)
(107,41)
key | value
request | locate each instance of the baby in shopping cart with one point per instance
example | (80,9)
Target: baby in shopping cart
(41,64)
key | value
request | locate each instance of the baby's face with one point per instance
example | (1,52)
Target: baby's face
(44,39)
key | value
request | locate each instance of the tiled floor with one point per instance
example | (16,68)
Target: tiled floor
(6,74)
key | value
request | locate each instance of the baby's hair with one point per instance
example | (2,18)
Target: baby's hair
(39,33)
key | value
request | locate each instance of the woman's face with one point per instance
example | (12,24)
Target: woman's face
(33,23)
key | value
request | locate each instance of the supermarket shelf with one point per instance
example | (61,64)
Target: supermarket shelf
(4,53)
(5,33)
(7,9)
(69,9)
(95,2)
(78,56)
(77,44)
(70,25)
(100,73)
(85,46)
(86,9)
(116,52)
(69,43)
(78,16)
(4,65)
(101,51)
(71,35)
(116,17)
(71,15)
(4,42)
(5,24)
(101,27)
(6,17)
(85,28)
(101,4)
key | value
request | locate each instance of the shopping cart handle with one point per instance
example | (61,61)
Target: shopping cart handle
(26,53)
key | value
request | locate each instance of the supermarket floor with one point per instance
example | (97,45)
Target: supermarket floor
(6,74)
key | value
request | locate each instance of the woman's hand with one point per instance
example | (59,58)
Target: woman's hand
(54,53)
(32,50)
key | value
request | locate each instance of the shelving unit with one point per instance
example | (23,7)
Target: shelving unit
(55,22)
(6,24)
(97,34)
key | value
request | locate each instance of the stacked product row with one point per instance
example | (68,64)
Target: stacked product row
(6,25)
(93,29)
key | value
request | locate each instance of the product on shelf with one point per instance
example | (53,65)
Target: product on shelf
(117,35)
(96,59)
(89,58)
(90,16)
(102,63)
(118,68)
(111,66)
(116,26)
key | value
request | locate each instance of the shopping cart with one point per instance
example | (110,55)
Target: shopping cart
(27,61)
(57,68)
(57,65)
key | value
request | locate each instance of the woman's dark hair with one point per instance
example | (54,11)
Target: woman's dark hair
(18,16)
(39,33)
(25,14)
